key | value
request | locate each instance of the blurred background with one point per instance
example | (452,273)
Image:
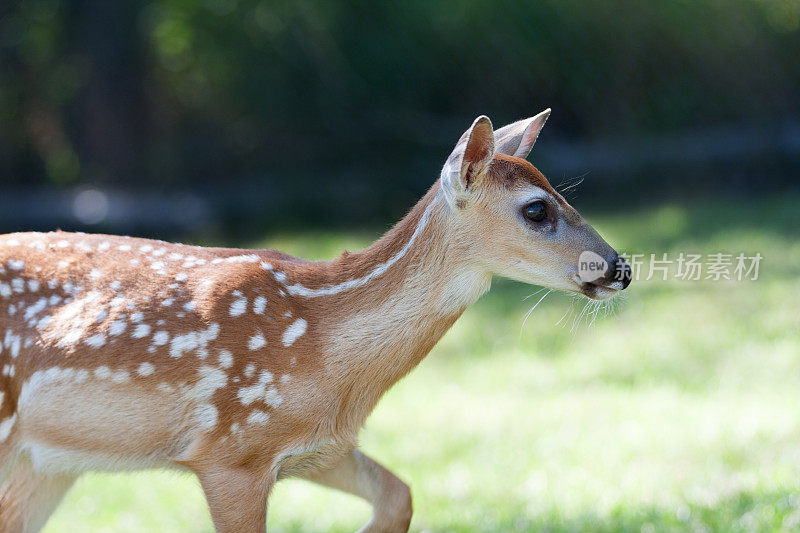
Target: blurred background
(237,116)
(313,126)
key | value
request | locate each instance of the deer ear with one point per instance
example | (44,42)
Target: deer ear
(517,139)
(469,160)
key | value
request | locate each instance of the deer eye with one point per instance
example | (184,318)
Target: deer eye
(535,211)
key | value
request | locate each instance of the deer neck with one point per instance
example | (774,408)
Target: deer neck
(419,281)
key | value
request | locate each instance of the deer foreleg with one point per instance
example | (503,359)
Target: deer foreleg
(357,474)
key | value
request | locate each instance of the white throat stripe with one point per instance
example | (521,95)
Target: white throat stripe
(299,290)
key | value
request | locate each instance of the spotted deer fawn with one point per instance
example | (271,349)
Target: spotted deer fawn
(249,366)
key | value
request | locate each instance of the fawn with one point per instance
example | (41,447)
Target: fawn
(249,366)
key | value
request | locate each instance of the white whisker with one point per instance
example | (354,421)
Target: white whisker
(534,293)
(531,311)
(565,313)
(577,321)
(597,306)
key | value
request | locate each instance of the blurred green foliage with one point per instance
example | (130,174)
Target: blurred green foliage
(175,92)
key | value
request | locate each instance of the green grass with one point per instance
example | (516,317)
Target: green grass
(679,411)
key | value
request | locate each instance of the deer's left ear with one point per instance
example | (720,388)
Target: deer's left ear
(517,139)
(469,160)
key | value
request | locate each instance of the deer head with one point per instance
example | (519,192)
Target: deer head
(515,224)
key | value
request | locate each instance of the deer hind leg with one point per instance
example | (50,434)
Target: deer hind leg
(357,474)
(236,497)
(28,497)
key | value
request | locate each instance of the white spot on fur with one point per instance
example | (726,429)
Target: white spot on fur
(101,315)
(12,343)
(258,417)
(145,369)
(160,338)
(211,379)
(257,341)
(248,395)
(120,376)
(33,285)
(258,391)
(225,359)
(16,264)
(294,331)
(207,416)
(96,341)
(69,288)
(272,398)
(239,304)
(6,426)
(259,305)
(117,327)
(44,322)
(250,258)
(18,285)
(32,310)
(140,331)
(195,340)
(102,372)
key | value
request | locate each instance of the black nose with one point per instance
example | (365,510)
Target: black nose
(619,270)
